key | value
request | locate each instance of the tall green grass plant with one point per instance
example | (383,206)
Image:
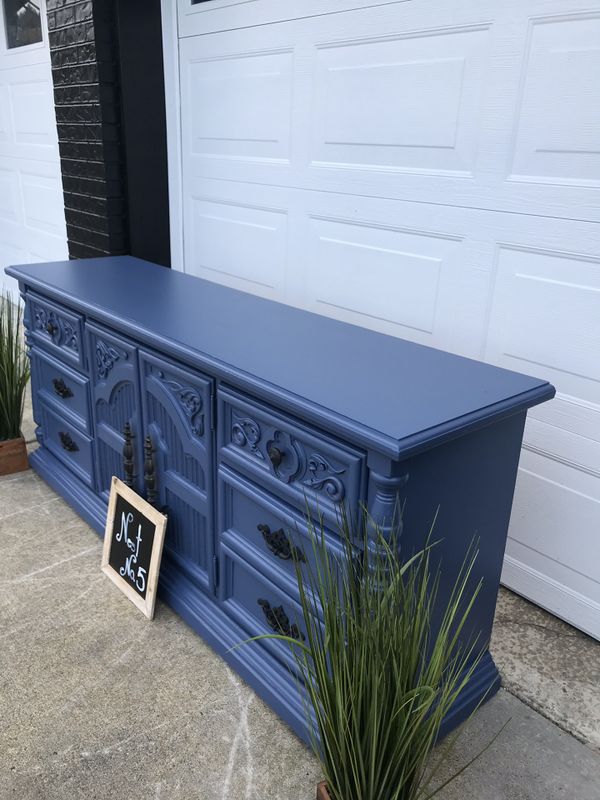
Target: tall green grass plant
(380,674)
(14,368)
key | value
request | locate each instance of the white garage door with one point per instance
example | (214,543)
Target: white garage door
(430,170)
(32,221)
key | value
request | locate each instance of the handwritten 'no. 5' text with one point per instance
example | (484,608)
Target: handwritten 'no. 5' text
(128,570)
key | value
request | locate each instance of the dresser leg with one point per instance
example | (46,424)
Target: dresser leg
(385,508)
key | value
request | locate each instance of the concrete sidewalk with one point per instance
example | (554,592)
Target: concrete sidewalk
(80,720)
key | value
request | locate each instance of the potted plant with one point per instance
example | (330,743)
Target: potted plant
(14,374)
(379,677)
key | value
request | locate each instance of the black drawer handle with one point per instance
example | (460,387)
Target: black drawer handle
(278,620)
(61,388)
(275,456)
(67,442)
(279,544)
(51,327)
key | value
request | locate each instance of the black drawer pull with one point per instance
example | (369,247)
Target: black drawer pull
(279,544)
(51,327)
(61,388)
(67,442)
(275,456)
(278,620)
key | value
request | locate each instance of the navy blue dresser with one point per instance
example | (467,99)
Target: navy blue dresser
(241,416)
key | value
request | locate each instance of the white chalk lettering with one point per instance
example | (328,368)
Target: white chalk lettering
(128,570)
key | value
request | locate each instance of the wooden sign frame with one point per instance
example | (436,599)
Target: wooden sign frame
(119,489)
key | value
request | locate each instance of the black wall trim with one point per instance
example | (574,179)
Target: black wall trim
(110,111)
(144,131)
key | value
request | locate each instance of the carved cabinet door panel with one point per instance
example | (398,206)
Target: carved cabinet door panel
(115,405)
(177,416)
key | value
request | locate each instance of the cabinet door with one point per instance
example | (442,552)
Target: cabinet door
(176,406)
(115,402)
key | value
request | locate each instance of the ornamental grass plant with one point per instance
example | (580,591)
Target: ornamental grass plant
(384,666)
(14,368)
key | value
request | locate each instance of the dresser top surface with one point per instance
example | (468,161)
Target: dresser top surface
(395,388)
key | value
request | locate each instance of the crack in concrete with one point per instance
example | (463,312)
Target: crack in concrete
(539,626)
(242,735)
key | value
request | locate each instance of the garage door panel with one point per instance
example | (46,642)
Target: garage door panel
(542,496)
(32,221)
(383,103)
(42,201)
(250,100)
(10,206)
(423,115)
(348,258)
(241,244)
(196,17)
(431,171)
(558,121)
(27,122)
(5,130)
(562,591)
(580,451)
(546,317)
(572,414)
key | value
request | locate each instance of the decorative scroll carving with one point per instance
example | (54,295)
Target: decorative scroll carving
(288,459)
(61,331)
(106,356)
(245,432)
(70,338)
(42,318)
(322,477)
(190,401)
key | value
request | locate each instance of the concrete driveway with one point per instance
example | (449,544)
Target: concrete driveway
(96,702)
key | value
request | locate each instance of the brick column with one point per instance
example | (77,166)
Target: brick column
(85,72)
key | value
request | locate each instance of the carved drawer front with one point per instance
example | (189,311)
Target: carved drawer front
(55,328)
(176,404)
(273,531)
(115,404)
(68,444)
(259,605)
(60,387)
(284,456)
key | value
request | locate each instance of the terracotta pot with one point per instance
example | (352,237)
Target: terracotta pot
(322,793)
(13,456)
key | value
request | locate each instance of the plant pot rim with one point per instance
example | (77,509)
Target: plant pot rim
(322,791)
(13,455)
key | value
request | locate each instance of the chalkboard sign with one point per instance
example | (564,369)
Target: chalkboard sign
(133,543)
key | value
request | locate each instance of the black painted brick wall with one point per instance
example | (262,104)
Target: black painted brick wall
(85,72)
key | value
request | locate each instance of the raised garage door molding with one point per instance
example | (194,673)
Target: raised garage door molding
(32,221)
(430,170)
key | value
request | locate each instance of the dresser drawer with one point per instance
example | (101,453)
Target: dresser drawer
(61,387)
(68,444)
(57,329)
(275,533)
(286,457)
(259,605)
